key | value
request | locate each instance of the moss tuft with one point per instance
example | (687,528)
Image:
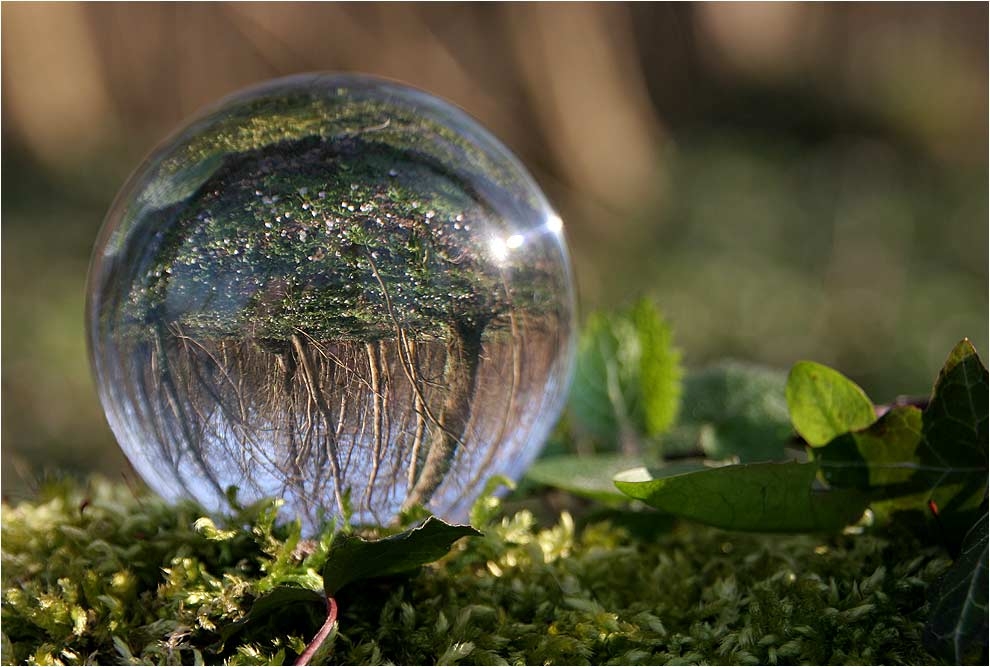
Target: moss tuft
(101,576)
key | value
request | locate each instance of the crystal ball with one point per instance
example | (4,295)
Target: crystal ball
(334,290)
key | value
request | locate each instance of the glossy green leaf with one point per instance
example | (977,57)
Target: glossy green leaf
(957,629)
(764,497)
(735,410)
(352,558)
(825,404)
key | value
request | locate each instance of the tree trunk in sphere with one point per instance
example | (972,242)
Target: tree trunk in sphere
(460,372)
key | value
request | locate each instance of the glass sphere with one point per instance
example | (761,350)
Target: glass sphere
(334,290)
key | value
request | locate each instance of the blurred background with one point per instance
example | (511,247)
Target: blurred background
(787,180)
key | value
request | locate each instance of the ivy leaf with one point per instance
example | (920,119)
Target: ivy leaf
(953,451)
(763,497)
(352,558)
(957,629)
(735,410)
(938,456)
(825,403)
(957,412)
(627,379)
(955,425)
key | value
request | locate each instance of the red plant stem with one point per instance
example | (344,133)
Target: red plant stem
(322,635)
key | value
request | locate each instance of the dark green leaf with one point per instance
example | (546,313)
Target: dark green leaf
(764,497)
(627,380)
(825,404)
(957,628)
(588,476)
(280,604)
(352,558)
(284,596)
(734,409)
(953,452)
(955,428)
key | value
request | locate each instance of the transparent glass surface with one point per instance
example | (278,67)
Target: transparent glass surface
(334,290)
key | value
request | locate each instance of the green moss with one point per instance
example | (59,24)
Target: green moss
(99,575)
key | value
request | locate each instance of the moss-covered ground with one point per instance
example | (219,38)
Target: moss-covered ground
(101,575)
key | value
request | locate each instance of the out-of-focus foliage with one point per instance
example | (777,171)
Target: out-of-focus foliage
(733,409)
(627,383)
(786,180)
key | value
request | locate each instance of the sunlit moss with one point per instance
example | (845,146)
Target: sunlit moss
(129,579)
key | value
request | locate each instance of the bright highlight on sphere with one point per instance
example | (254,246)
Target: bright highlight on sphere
(334,290)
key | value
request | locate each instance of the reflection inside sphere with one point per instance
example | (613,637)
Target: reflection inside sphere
(336,291)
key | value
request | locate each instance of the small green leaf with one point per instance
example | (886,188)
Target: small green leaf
(734,409)
(763,497)
(824,403)
(352,558)
(957,629)
(588,476)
